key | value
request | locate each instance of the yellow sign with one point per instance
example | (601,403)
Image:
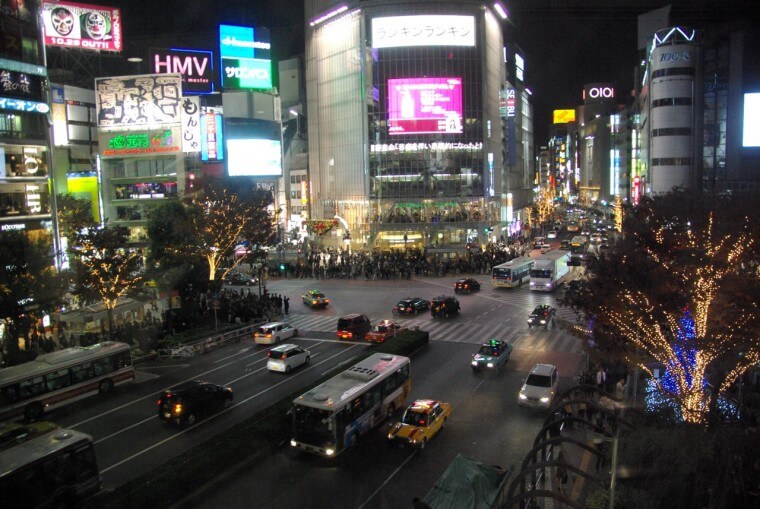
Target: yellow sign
(564,116)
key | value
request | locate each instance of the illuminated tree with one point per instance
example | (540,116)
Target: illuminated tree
(681,289)
(544,202)
(29,287)
(74,214)
(104,269)
(220,220)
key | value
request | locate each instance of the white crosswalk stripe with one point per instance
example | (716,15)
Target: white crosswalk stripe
(458,331)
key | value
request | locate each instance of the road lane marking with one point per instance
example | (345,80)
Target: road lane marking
(479,384)
(244,350)
(213,416)
(387,480)
(138,400)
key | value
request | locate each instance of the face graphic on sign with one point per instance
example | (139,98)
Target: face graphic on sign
(62,20)
(96,26)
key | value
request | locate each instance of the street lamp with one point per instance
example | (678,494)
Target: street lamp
(298,120)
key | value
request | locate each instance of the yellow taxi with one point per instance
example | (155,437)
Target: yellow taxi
(315,299)
(420,422)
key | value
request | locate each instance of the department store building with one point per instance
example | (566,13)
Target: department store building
(420,127)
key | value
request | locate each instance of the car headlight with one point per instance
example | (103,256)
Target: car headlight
(293,442)
(544,399)
(474,363)
(490,364)
(329,451)
(523,396)
(390,436)
(543,322)
(532,283)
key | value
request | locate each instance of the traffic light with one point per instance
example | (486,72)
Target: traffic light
(282,267)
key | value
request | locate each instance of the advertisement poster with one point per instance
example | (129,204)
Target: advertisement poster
(246,60)
(425,106)
(73,25)
(139,100)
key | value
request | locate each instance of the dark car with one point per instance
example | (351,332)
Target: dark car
(353,326)
(240,279)
(493,355)
(542,316)
(184,404)
(444,306)
(410,306)
(466,285)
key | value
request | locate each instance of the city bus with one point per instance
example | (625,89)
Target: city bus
(330,417)
(512,273)
(55,379)
(56,469)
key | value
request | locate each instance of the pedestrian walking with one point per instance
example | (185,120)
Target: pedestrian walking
(601,378)
(286,304)
(620,389)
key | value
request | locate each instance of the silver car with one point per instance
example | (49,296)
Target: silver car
(274,332)
(540,387)
(287,357)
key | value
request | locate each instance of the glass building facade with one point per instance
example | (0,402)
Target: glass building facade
(407,142)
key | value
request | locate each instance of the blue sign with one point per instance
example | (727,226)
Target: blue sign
(246,61)
(7,103)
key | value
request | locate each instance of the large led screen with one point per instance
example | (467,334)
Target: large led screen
(73,25)
(254,158)
(751,129)
(424,106)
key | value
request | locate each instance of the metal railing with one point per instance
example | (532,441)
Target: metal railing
(205,345)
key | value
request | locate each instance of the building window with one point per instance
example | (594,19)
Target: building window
(672,101)
(671,161)
(672,131)
(673,71)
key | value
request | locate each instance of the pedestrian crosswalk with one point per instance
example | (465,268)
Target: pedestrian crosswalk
(461,330)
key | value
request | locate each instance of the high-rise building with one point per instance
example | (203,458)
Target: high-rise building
(25,200)
(420,125)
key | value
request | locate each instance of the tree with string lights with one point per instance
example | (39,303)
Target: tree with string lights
(218,219)
(544,204)
(680,290)
(104,269)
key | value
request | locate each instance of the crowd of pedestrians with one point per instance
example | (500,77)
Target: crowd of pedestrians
(346,264)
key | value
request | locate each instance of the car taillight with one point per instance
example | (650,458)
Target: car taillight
(282,357)
(269,355)
(178,408)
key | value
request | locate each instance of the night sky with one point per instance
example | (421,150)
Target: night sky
(567,43)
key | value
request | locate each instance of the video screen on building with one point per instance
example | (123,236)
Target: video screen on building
(425,106)
(751,127)
(247,157)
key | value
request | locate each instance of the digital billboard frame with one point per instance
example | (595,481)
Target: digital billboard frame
(81,26)
(425,106)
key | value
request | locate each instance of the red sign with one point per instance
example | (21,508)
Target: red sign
(73,25)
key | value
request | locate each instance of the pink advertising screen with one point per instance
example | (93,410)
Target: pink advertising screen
(424,105)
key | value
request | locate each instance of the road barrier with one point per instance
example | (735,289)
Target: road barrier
(205,345)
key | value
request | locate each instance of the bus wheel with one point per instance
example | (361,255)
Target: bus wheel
(33,411)
(106,386)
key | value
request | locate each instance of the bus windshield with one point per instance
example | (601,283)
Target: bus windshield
(500,272)
(541,274)
(313,423)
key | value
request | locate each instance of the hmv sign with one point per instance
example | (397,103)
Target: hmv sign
(195,66)
(598,92)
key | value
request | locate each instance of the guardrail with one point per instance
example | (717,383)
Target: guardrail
(205,345)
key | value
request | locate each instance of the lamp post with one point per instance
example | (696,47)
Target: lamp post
(298,120)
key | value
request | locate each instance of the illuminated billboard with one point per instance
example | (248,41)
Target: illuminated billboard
(424,106)
(253,147)
(195,66)
(147,99)
(73,25)
(140,143)
(436,30)
(245,54)
(267,161)
(751,127)
(563,116)
(212,137)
